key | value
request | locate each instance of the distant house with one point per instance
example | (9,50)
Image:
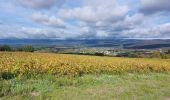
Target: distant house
(160,50)
(106,52)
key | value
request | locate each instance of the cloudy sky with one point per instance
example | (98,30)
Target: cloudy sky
(84,19)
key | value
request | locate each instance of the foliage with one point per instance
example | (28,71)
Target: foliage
(155,54)
(168,52)
(28,48)
(19,49)
(5,48)
(99,54)
(158,54)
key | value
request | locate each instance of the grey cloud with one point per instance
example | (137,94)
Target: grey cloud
(87,32)
(153,6)
(161,31)
(39,4)
(112,29)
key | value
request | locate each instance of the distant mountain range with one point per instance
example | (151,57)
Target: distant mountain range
(123,43)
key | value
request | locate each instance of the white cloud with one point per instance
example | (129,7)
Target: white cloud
(49,21)
(102,34)
(98,18)
(85,19)
(97,10)
(41,33)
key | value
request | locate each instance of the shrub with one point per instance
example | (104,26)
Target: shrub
(133,55)
(168,52)
(99,54)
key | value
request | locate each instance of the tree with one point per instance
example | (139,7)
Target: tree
(5,48)
(19,49)
(99,54)
(168,52)
(28,48)
(133,55)
(156,54)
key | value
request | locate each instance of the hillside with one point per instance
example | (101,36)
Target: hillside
(44,76)
(114,43)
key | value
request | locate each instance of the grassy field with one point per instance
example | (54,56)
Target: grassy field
(74,77)
(153,86)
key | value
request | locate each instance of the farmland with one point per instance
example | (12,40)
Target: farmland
(36,74)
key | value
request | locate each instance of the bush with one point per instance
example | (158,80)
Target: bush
(168,52)
(156,54)
(28,48)
(160,55)
(99,54)
(19,49)
(7,75)
(5,48)
(133,55)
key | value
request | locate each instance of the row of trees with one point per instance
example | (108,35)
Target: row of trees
(26,48)
(164,55)
(156,54)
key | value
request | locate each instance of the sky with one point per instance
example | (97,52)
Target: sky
(84,19)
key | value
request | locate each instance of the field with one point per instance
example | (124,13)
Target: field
(65,77)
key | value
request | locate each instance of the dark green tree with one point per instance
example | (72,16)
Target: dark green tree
(168,52)
(5,48)
(28,48)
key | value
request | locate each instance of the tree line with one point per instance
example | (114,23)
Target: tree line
(25,48)
(155,54)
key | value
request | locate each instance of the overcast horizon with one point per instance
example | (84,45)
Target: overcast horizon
(85,19)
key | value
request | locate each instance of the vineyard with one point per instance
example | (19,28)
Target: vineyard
(20,63)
